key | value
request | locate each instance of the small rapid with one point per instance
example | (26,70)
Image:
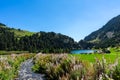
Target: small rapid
(26,73)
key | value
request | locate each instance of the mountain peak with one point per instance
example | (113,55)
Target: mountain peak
(110,32)
(107,31)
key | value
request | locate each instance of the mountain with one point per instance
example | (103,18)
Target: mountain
(108,35)
(47,42)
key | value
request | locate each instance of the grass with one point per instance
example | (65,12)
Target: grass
(12,52)
(110,58)
(79,66)
(9,65)
(92,57)
(21,33)
(66,67)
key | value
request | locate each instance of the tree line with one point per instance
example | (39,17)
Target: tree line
(47,42)
(39,42)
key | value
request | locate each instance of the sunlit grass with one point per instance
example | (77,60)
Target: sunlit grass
(9,65)
(110,58)
(21,33)
(92,57)
(77,66)
(12,52)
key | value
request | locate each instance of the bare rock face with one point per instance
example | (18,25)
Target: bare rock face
(110,34)
(26,73)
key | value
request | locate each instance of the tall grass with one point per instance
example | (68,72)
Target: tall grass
(12,52)
(66,67)
(9,65)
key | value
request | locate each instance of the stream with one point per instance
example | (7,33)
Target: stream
(26,73)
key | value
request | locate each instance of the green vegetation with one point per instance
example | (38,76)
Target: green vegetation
(92,57)
(57,66)
(110,57)
(21,33)
(65,67)
(17,32)
(18,40)
(47,43)
(79,66)
(97,66)
(116,72)
(9,65)
(108,35)
(85,45)
(2,25)
(12,52)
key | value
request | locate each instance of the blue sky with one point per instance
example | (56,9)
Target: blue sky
(75,18)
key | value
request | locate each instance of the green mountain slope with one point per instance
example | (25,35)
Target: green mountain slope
(21,33)
(18,32)
(108,35)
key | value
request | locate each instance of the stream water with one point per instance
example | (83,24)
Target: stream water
(26,73)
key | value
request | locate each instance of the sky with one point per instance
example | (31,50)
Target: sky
(75,18)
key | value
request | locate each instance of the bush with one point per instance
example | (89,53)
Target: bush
(65,67)
(116,72)
(58,66)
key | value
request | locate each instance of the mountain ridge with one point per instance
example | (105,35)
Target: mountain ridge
(46,42)
(107,34)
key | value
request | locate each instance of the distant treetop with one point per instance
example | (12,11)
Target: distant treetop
(1,24)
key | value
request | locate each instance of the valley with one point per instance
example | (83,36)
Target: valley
(42,55)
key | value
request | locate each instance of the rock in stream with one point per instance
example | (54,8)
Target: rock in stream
(26,73)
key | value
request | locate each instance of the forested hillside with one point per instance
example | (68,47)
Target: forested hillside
(7,39)
(16,39)
(108,35)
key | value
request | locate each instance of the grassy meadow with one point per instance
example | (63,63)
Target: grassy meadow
(64,66)
(21,33)
(12,52)
(79,66)
(110,58)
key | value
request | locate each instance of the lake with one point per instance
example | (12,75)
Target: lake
(82,51)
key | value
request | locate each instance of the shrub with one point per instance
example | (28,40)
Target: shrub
(116,72)
(64,67)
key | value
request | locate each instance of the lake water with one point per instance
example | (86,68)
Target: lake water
(82,51)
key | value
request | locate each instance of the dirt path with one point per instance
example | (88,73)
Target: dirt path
(26,73)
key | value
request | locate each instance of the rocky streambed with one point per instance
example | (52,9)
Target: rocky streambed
(26,73)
